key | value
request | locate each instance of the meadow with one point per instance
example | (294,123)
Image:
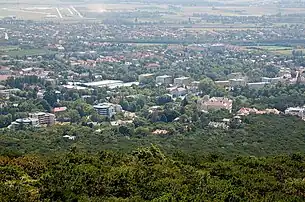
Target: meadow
(62,10)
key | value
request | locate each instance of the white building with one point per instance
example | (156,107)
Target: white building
(165,79)
(182,81)
(295,111)
(145,77)
(104,83)
(107,109)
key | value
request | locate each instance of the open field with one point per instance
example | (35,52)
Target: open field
(4,49)
(40,12)
(84,9)
(16,51)
(278,50)
(241,11)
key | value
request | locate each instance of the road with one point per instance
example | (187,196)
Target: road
(70,11)
(59,14)
(76,11)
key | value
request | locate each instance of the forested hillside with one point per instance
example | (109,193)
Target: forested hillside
(149,175)
(259,135)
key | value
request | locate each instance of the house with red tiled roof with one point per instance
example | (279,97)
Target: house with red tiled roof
(215,103)
(246,111)
(4,77)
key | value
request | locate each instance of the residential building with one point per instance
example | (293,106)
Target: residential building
(237,82)
(107,109)
(103,110)
(295,111)
(177,91)
(182,81)
(247,111)
(194,86)
(143,78)
(24,122)
(165,79)
(215,103)
(43,118)
(6,93)
(160,132)
(218,47)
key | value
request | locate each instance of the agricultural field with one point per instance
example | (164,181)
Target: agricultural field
(278,50)
(14,51)
(88,9)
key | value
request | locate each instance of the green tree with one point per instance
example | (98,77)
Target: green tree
(74,116)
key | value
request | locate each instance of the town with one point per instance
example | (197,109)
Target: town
(150,100)
(136,76)
(72,75)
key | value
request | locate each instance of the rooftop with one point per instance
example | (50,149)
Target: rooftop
(164,76)
(59,109)
(103,83)
(181,78)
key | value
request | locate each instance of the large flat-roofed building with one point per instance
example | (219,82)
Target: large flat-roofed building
(165,79)
(143,78)
(104,83)
(107,109)
(295,111)
(182,81)
(43,118)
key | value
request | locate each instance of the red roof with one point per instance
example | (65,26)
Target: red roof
(4,77)
(59,109)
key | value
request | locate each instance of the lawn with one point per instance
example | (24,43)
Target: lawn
(22,52)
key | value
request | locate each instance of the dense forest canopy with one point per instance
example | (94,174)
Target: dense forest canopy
(260,135)
(149,175)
